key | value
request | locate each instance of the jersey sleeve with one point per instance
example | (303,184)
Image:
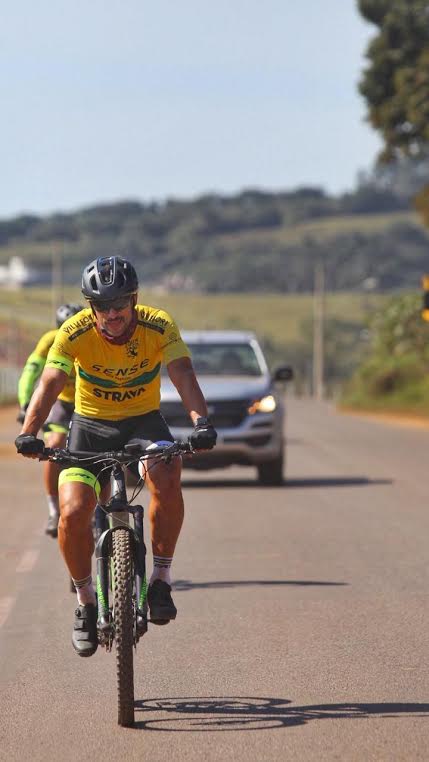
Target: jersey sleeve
(27,381)
(172,345)
(60,356)
(33,368)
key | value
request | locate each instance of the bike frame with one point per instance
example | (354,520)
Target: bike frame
(114,515)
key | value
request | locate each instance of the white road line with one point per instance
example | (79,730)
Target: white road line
(27,561)
(5,609)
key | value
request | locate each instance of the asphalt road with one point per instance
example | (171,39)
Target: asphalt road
(303,620)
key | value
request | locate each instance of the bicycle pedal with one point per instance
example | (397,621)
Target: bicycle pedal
(141,625)
(105,630)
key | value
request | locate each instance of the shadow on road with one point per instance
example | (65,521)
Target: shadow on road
(336,481)
(187,715)
(227,484)
(186,584)
(304,482)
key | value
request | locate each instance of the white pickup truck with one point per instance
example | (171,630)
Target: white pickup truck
(245,403)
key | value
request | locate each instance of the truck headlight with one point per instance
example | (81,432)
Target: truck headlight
(265,405)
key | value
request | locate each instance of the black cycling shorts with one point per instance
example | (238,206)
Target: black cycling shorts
(58,420)
(99,435)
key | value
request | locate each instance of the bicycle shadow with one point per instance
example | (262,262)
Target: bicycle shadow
(238,713)
(186,584)
(304,482)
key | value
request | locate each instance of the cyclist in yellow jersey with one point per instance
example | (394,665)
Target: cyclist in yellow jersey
(56,427)
(117,348)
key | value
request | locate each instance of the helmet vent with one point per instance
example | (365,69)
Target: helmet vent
(106,271)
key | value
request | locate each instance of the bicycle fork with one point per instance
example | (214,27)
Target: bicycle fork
(107,520)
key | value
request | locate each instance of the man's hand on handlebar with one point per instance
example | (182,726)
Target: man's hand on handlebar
(204,435)
(29,446)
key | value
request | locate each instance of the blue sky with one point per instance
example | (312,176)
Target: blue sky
(115,99)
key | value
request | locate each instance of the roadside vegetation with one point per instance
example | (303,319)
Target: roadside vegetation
(395,374)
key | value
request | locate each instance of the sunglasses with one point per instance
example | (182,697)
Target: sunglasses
(116,304)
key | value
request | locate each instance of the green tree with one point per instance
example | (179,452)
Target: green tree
(396,82)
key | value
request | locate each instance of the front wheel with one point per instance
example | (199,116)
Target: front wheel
(123,618)
(270,473)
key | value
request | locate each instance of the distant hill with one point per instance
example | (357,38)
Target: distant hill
(252,242)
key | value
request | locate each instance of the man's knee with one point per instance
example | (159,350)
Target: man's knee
(76,507)
(73,518)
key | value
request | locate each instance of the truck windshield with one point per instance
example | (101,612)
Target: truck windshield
(224,359)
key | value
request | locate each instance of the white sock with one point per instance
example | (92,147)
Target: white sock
(85,591)
(161,569)
(53,506)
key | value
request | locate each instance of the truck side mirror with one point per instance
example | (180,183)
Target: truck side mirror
(283,373)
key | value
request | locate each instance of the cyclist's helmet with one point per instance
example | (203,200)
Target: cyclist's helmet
(65,311)
(109,278)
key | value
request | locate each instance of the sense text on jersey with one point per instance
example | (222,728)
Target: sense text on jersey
(119,372)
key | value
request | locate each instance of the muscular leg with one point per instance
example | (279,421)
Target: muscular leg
(166,518)
(77,503)
(165,507)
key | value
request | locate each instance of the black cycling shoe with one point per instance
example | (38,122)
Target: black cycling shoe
(52,526)
(84,637)
(161,605)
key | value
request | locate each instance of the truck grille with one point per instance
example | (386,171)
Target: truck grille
(224,414)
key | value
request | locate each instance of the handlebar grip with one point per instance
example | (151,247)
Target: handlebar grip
(52,452)
(186,446)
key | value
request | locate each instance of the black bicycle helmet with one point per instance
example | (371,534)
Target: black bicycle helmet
(65,311)
(109,278)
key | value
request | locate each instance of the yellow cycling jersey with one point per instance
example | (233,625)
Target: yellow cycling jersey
(33,369)
(116,381)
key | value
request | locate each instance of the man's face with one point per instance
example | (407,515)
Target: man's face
(114,317)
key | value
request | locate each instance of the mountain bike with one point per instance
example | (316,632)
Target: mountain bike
(120,552)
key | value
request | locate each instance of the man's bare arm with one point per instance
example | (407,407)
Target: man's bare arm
(51,384)
(183,377)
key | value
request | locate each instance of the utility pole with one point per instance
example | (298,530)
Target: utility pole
(318,332)
(57,280)
(425,286)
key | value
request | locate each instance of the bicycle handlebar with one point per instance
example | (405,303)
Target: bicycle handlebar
(129,454)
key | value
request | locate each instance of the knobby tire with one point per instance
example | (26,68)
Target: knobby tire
(124,624)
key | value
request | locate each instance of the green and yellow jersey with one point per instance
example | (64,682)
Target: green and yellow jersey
(33,370)
(116,381)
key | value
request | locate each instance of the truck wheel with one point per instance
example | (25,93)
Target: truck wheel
(270,473)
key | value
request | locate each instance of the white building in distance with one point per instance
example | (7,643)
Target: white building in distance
(16,274)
